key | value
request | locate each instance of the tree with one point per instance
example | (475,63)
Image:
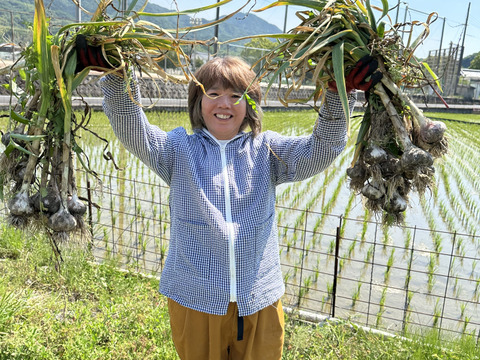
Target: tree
(475,64)
(256,48)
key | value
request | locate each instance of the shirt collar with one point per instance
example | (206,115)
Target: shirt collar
(206,132)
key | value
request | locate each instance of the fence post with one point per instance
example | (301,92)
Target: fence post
(135,199)
(335,270)
(112,206)
(90,215)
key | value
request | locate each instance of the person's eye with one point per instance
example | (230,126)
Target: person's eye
(212,94)
(236,96)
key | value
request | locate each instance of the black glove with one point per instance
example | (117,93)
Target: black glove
(89,56)
(365,68)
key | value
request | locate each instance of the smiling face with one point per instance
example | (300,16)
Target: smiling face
(222,115)
(219,76)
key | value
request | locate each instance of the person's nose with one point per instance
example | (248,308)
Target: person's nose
(224,101)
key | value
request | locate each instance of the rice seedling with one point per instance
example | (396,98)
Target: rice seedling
(307,283)
(408,241)
(447,216)
(331,247)
(295,269)
(476,291)
(381,304)
(327,208)
(437,312)
(459,245)
(385,239)
(37,173)
(341,265)
(163,251)
(466,321)
(356,294)
(437,244)
(366,216)
(465,210)
(285,193)
(408,276)
(348,208)
(351,249)
(369,255)
(474,266)
(390,261)
(457,288)
(329,290)
(463,307)
(396,144)
(432,268)
(317,271)
(407,311)
(105,237)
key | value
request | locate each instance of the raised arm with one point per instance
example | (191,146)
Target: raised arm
(300,157)
(149,143)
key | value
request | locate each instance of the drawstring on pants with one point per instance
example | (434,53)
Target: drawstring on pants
(240,328)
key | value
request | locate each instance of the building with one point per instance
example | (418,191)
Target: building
(9,52)
(471,78)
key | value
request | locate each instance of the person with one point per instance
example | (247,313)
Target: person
(222,274)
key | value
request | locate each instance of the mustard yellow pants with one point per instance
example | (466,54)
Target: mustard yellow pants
(202,336)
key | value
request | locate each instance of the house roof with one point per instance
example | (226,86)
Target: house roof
(472,74)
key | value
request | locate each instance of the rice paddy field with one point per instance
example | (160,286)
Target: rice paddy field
(337,258)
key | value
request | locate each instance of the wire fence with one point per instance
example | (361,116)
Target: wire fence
(394,279)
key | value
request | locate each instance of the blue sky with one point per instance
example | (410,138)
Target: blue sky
(454,13)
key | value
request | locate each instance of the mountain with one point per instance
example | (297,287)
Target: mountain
(62,12)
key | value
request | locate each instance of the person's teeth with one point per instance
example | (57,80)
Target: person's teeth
(221,116)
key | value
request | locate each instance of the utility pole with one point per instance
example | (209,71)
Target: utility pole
(398,10)
(79,11)
(462,49)
(405,20)
(440,48)
(13,36)
(215,45)
(194,22)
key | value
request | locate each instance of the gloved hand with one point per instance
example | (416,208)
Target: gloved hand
(89,56)
(363,76)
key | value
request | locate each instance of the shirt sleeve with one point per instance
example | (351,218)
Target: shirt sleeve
(149,143)
(298,158)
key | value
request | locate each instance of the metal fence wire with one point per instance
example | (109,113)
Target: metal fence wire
(396,279)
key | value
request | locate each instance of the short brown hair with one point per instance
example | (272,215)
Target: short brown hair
(231,73)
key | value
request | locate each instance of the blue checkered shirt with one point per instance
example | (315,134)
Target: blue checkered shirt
(223,236)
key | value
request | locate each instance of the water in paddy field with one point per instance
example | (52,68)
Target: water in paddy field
(387,277)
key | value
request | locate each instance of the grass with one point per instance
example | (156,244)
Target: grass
(471,118)
(82,310)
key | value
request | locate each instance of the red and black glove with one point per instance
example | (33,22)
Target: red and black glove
(88,55)
(363,76)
